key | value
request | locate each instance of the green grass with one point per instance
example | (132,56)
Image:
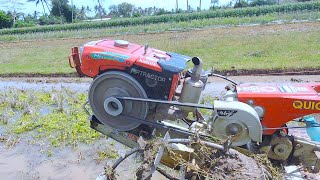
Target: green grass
(281,50)
(293,46)
(162,27)
(182,17)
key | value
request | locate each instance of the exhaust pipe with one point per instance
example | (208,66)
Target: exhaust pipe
(197,69)
(193,86)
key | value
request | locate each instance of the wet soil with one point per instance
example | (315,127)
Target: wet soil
(232,165)
(26,161)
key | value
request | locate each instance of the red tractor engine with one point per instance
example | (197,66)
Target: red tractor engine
(158,72)
(135,89)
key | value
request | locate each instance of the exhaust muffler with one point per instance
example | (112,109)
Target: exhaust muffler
(192,86)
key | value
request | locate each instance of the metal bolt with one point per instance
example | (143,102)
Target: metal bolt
(283,134)
(298,146)
(280,150)
(250,102)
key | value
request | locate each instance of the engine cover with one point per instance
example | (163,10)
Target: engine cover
(281,102)
(157,71)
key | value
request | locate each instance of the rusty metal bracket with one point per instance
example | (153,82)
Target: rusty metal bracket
(307,152)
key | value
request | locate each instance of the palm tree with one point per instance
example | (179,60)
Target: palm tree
(187,5)
(99,9)
(177,6)
(42,2)
(35,14)
(214,2)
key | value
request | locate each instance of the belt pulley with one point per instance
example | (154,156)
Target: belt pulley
(106,107)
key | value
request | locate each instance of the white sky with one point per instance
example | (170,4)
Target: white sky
(30,7)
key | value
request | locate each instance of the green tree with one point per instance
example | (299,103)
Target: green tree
(5,20)
(241,4)
(113,10)
(61,8)
(214,3)
(14,7)
(82,13)
(262,2)
(126,10)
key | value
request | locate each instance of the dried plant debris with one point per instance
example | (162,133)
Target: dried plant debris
(9,141)
(209,163)
(109,173)
(204,163)
(149,153)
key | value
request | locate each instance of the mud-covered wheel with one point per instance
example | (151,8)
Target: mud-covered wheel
(103,94)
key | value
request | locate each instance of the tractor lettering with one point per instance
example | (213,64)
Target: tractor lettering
(317,107)
(147,75)
(144,74)
(297,104)
(313,103)
(227,113)
(109,56)
(306,105)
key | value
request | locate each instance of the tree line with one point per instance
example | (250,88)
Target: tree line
(61,11)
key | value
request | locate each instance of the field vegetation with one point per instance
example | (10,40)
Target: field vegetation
(182,17)
(272,18)
(285,37)
(52,119)
(286,46)
(226,39)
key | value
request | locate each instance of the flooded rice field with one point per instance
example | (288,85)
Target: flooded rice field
(45,133)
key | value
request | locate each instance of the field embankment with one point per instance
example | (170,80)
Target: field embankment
(253,40)
(181,17)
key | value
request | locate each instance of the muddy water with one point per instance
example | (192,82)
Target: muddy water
(80,87)
(28,161)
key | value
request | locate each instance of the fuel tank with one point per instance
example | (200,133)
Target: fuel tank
(102,55)
(278,104)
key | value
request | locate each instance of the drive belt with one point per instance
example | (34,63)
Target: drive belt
(160,125)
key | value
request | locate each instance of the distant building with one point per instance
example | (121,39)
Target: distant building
(104,18)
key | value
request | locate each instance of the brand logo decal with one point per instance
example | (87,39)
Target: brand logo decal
(257,89)
(226,113)
(307,105)
(109,56)
(147,75)
(148,61)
